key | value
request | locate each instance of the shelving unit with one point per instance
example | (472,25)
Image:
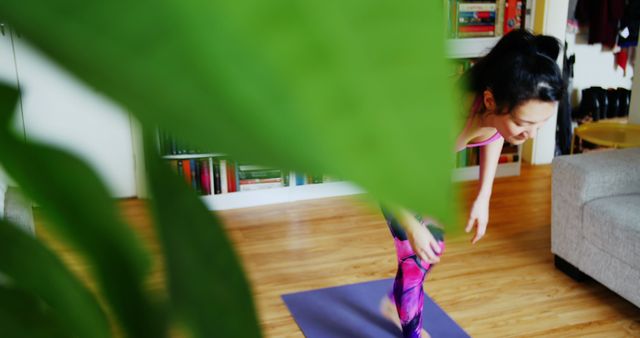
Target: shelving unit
(470,47)
(244,199)
(285,194)
(189,156)
(457,48)
(474,48)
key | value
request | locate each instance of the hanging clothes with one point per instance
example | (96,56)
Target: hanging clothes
(563,127)
(603,18)
(630,25)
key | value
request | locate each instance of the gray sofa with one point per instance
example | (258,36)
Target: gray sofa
(595,218)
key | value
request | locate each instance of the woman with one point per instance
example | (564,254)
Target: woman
(512,92)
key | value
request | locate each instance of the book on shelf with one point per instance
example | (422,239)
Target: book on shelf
(169,145)
(476,19)
(513,15)
(186,170)
(224,187)
(205,178)
(301,179)
(194,175)
(259,186)
(508,158)
(232,184)
(262,180)
(255,177)
(460,66)
(483,18)
(257,174)
(471,156)
(216,177)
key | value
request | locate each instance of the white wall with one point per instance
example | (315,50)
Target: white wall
(541,150)
(634,109)
(61,111)
(3,191)
(594,66)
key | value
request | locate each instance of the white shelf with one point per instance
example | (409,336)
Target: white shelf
(473,172)
(189,156)
(245,199)
(470,47)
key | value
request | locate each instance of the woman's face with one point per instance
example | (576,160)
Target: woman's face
(525,120)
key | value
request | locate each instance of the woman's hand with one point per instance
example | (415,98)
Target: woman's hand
(422,241)
(479,217)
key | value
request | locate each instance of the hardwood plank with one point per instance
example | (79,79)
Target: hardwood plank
(504,286)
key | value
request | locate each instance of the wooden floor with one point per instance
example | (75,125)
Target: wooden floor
(504,286)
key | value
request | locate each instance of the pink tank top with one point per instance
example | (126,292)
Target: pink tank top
(493,138)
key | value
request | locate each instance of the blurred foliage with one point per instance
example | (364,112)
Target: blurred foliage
(354,89)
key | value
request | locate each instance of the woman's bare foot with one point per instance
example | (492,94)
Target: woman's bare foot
(389,311)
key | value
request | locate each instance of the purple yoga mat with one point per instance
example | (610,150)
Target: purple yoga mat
(352,311)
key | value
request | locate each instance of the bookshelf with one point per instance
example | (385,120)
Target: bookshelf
(475,47)
(272,195)
(458,48)
(467,48)
(244,199)
(223,194)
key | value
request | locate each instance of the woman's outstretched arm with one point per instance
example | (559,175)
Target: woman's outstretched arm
(479,215)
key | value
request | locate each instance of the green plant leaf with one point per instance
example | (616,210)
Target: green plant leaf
(80,209)
(356,89)
(208,288)
(33,267)
(24,316)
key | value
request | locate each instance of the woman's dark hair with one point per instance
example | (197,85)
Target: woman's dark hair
(519,68)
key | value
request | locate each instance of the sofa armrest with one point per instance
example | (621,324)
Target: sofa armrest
(578,179)
(586,177)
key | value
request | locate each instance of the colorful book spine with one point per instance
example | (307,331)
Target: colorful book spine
(261,180)
(314,179)
(186,169)
(205,177)
(224,181)
(476,7)
(251,174)
(477,29)
(512,15)
(500,9)
(193,165)
(327,179)
(461,158)
(231,177)
(237,183)
(476,19)
(259,186)
(179,168)
(508,158)
(286,178)
(473,156)
(216,177)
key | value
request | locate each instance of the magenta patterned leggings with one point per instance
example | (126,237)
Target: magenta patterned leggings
(407,293)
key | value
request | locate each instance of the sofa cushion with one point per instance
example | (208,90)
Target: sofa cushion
(613,225)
